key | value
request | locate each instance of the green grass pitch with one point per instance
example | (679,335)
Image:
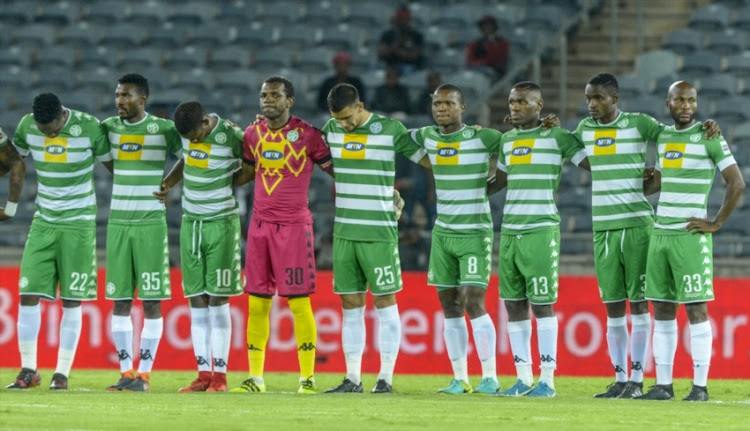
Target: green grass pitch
(414,405)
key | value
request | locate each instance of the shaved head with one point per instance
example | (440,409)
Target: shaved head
(680,86)
(682,102)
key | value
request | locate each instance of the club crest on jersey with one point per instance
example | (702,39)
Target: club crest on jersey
(376,127)
(521,151)
(130,147)
(604,142)
(623,123)
(695,137)
(76,130)
(220,138)
(152,128)
(292,136)
(673,155)
(272,155)
(468,133)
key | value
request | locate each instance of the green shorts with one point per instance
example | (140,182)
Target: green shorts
(460,261)
(680,268)
(357,264)
(620,259)
(138,255)
(211,257)
(528,267)
(59,255)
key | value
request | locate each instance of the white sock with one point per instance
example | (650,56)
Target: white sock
(150,337)
(200,328)
(641,330)
(221,336)
(29,321)
(701,338)
(389,340)
(617,341)
(520,344)
(353,342)
(665,345)
(546,330)
(485,339)
(122,333)
(456,335)
(70,333)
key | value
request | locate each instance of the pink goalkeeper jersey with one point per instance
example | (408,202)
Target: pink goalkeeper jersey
(283,160)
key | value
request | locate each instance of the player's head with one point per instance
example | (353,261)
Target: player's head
(402,17)
(525,103)
(130,96)
(682,101)
(49,114)
(342,61)
(346,108)
(448,106)
(602,94)
(487,25)
(276,97)
(191,121)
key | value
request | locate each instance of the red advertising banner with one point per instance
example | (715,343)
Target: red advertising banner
(582,348)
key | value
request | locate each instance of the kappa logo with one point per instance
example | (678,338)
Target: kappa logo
(55,149)
(354,146)
(604,142)
(272,155)
(221,138)
(152,128)
(198,154)
(521,151)
(201,360)
(76,130)
(447,152)
(130,147)
(673,155)
(376,128)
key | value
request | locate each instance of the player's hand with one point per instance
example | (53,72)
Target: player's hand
(3,216)
(701,225)
(258,119)
(550,121)
(162,193)
(478,126)
(648,174)
(398,204)
(712,129)
(507,120)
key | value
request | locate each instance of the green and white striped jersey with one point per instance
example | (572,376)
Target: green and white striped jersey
(533,161)
(365,165)
(64,167)
(687,161)
(139,151)
(617,154)
(207,176)
(460,164)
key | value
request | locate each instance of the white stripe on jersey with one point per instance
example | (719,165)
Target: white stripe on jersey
(463,209)
(623,166)
(463,226)
(622,148)
(469,144)
(516,226)
(364,222)
(195,179)
(463,158)
(72,156)
(706,164)
(364,189)
(692,149)
(384,155)
(136,205)
(629,133)
(682,198)
(543,159)
(680,212)
(462,195)
(676,226)
(78,143)
(617,199)
(83,171)
(122,190)
(141,173)
(204,208)
(365,204)
(530,209)
(622,216)
(529,195)
(684,180)
(78,217)
(363,171)
(449,177)
(152,155)
(729,161)
(61,205)
(61,192)
(202,195)
(621,184)
(516,177)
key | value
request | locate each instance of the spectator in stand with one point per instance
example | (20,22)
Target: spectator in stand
(342,61)
(391,98)
(489,53)
(401,46)
(423,103)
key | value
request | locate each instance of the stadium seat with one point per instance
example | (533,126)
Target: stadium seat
(368,14)
(97,58)
(211,35)
(79,36)
(447,61)
(458,16)
(739,65)
(228,58)
(147,15)
(656,64)
(63,57)
(163,37)
(713,17)
(683,41)
(239,81)
(105,12)
(58,13)
(324,14)
(253,35)
(340,37)
(545,18)
(191,14)
(507,15)
(122,36)
(318,58)
(472,84)
(741,135)
(632,86)
(727,42)
(139,58)
(741,18)
(717,86)
(184,59)
(723,249)
(652,105)
(731,111)
(96,82)
(700,64)
(33,36)
(282,14)
(15,15)
(302,38)
(14,57)
(233,14)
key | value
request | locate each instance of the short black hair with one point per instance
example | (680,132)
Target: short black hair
(526,85)
(452,88)
(47,108)
(188,117)
(341,96)
(140,82)
(607,80)
(288,86)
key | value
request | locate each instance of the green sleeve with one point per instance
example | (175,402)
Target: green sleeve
(718,149)
(649,127)
(417,135)
(237,140)
(19,139)
(578,132)
(492,139)
(404,144)
(174,141)
(569,144)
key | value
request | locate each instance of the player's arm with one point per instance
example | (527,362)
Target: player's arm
(17,168)
(425,162)
(651,181)
(735,186)
(243,175)
(712,129)
(173,177)
(326,165)
(497,182)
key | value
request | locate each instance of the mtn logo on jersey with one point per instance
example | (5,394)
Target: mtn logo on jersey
(605,142)
(198,155)
(56,150)
(354,146)
(131,147)
(447,153)
(521,152)
(674,154)
(272,155)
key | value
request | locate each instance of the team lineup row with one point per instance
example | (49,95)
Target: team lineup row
(664,257)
